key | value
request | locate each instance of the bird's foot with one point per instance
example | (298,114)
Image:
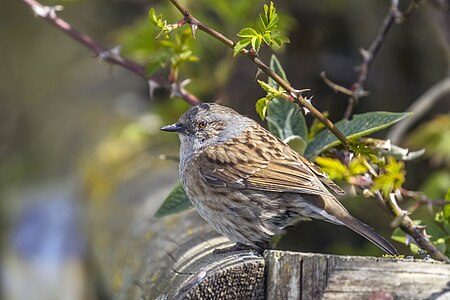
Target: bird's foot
(237,247)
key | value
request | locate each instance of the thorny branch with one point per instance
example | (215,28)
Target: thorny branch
(400,217)
(111,56)
(357,90)
(292,94)
(404,222)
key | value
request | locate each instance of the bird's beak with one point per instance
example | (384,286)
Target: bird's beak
(177,127)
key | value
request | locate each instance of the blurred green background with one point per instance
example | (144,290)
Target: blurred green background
(62,110)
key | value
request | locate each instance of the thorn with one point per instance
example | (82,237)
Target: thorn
(194,28)
(305,110)
(46,11)
(388,145)
(295,93)
(414,154)
(398,220)
(398,194)
(403,213)
(422,230)
(110,53)
(259,73)
(177,88)
(409,240)
(364,53)
(363,93)
(152,86)
(185,83)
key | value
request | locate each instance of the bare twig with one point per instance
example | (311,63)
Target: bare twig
(357,90)
(421,199)
(292,93)
(369,56)
(336,87)
(419,108)
(109,55)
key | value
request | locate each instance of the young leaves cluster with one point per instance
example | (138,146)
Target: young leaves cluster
(391,178)
(337,170)
(178,50)
(273,90)
(159,22)
(266,32)
(271,93)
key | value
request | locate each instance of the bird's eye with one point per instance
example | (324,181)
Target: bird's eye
(201,124)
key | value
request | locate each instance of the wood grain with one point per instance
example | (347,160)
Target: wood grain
(349,277)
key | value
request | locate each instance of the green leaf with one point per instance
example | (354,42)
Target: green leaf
(264,17)
(155,19)
(335,169)
(440,244)
(296,143)
(240,46)
(392,177)
(399,236)
(256,42)
(247,33)
(359,126)
(264,22)
(265,86)
(285,119)
(316,126)
(277,68)
(273,22)
(261,107)
(267,39)
(176,202)
(269,19)
(278,38)
(357,166)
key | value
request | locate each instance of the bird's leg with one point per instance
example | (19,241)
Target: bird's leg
(238,247)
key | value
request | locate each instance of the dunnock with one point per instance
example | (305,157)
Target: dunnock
(248,184)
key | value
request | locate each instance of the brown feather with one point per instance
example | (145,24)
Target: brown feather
(333,207)
(275,168)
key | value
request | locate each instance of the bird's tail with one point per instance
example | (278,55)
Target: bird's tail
(370,234)
(328,208)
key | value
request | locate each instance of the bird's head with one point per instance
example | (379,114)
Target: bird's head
(207,124)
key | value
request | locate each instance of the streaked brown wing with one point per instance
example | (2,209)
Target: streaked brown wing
(262,173)
(286,176)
